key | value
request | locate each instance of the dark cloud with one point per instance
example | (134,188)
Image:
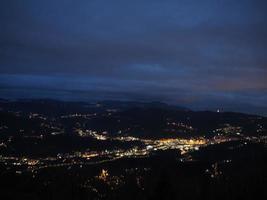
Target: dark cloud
(185,51)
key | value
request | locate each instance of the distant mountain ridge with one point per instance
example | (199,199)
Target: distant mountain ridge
(38,105)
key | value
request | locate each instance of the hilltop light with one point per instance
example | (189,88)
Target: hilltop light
(103,175)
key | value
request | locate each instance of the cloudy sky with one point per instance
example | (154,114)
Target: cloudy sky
(204,54)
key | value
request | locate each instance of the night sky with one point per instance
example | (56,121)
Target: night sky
(203,54)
